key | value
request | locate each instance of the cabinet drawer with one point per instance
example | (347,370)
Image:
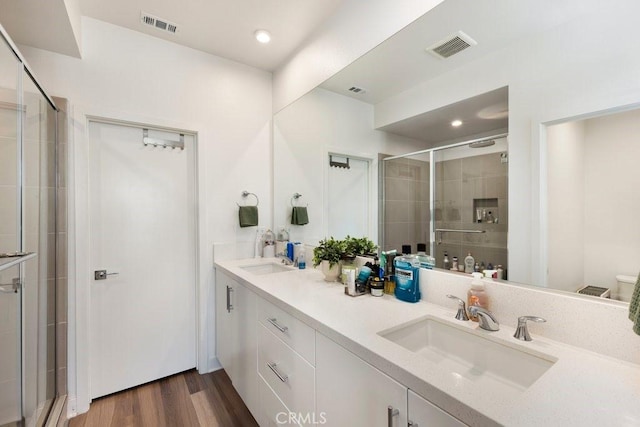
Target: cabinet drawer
(272,413)
(296,334)
(290,376)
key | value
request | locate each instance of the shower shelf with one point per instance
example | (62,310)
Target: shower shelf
(10,260)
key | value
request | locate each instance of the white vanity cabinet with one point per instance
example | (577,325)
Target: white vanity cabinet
(287,373)
(236,337)
(350,392)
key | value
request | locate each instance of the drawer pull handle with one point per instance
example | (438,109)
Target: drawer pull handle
(275,323)
(391,412)
(282,377)
(229,305)
(412,424)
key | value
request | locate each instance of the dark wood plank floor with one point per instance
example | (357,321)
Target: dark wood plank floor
(186,399)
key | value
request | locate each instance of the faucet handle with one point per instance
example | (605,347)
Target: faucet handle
(486,319)
(522,332)
(462,308)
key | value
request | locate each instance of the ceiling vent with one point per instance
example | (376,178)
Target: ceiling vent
(451,45)
(358,90)
(158,23)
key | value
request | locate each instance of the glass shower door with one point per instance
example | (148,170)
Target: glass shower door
(10,240)
(470,204)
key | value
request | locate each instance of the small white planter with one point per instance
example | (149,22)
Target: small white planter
(330,274)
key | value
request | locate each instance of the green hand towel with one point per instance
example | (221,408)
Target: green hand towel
(634,307)
(248,216)
(299,215)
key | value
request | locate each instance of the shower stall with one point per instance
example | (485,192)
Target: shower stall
(31,270)
(454,199)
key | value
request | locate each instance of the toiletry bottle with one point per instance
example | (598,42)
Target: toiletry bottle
(445,262)
(269,249)
(407,275)
(490,218)
(302,264)
(406,249)
(476,267)
(482,267)
(477,295)
(468,264)
(423,258)
(454,264)
(500,271)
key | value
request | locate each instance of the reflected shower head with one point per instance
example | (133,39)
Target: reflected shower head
(481,144)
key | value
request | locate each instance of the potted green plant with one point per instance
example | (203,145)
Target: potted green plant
(359,246)
(328,254)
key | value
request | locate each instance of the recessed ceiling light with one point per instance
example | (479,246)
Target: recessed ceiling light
(456,123)
(263,36)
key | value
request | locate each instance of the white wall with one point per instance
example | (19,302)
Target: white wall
(566,208)
(131,76)
(353,30)
(590,64)
(612,201)
(304,132)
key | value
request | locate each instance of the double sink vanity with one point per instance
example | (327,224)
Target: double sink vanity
(293,343)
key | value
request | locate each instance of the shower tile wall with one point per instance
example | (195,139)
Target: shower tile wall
(406,208)
(458,183)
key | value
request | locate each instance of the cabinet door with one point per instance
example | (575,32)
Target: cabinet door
(245,356)
(350,392)
(423,413)
(224,322)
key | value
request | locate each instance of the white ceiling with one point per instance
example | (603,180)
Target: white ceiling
(221,27)
(482,115)
(401,62)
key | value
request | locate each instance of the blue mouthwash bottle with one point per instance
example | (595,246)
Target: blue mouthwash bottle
(407,274)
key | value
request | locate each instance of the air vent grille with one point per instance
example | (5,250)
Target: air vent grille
(451,45)
(158,23)
(356,89)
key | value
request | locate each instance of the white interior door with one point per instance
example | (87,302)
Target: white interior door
(348,195)
(142,218)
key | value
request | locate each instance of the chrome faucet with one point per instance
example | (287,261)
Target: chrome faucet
(522,333)
(486,319)
(462,312)
(285,259)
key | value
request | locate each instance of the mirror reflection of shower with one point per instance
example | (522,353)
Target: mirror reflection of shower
(434,196)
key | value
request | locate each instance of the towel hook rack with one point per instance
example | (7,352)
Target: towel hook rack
(295,197)
(245,194)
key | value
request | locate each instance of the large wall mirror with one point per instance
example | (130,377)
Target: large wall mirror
(523,67)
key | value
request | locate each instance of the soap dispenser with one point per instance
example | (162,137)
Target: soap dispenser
(477,295)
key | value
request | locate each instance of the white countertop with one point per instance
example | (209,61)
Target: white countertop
(580,389)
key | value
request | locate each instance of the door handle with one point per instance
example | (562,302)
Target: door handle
(102,274)
(11,288)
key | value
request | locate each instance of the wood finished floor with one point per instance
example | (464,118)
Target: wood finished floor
(182,400)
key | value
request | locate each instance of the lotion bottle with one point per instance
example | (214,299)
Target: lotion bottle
(469,262)
(477,295)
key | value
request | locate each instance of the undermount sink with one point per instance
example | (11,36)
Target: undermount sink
(469,356)
(266,268)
